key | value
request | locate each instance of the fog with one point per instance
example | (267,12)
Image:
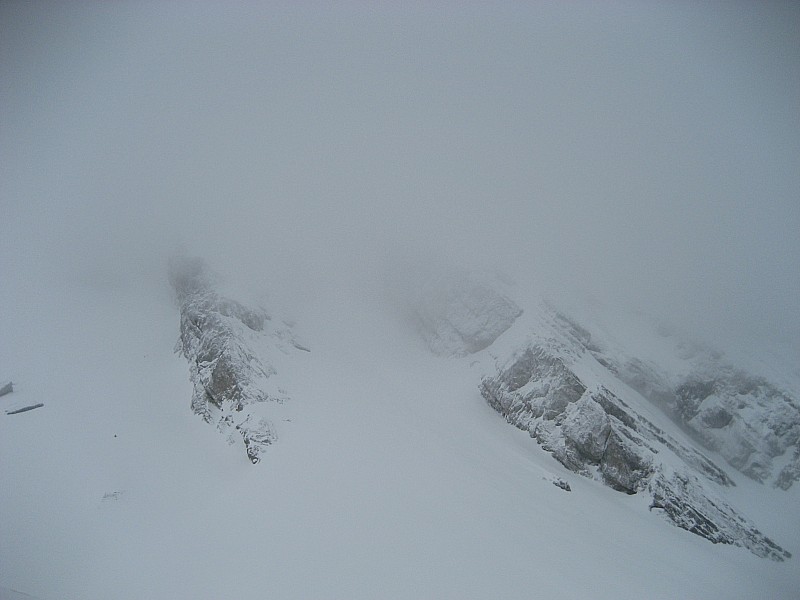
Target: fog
(647,155)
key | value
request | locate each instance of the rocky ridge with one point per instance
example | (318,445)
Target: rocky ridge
(595,433)
(751,423)
(610,416)
(588,405)
(218,338)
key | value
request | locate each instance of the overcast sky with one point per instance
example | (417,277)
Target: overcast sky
(646,152)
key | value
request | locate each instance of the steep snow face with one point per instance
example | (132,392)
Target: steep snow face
(463,316)
(220,339)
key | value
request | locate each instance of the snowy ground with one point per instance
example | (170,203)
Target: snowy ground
(391,478)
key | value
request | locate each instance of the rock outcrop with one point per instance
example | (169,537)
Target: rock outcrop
(594,432)
(230,378)
(751,423)
(745,418)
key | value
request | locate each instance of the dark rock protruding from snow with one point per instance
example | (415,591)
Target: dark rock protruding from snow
(230,378)
(463,317)
(750,422)
(594,432)
(24,409)
(6,388)
(745,418)
(686,504)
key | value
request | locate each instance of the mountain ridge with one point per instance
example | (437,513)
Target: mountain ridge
(561,385)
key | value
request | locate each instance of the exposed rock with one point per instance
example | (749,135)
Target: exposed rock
(229,377)
(6,388)
(625,465)
(586,428)
(24,409)
(561,483)
(708,515)
(746,419)
(790,473)
(593,432)
(545,382)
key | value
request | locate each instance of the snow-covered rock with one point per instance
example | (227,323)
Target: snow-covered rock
(230,376)
(743,417)
(753,424)
(594,432)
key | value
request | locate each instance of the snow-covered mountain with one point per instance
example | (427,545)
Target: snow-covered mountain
(608,414)
(592,409)
(552,388)
(383,467)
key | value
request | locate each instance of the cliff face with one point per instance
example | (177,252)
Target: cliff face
(223,340)
(751,423)
(595,433)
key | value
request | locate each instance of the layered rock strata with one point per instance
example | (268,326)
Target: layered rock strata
(593,432)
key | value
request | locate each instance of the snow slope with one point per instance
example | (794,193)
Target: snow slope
(392,478)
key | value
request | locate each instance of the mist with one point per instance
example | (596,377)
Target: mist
(646,155)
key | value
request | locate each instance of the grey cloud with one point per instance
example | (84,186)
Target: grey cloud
(648,154)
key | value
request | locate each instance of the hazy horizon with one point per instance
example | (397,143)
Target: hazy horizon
(641,153)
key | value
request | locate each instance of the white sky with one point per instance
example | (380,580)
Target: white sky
(641,152)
